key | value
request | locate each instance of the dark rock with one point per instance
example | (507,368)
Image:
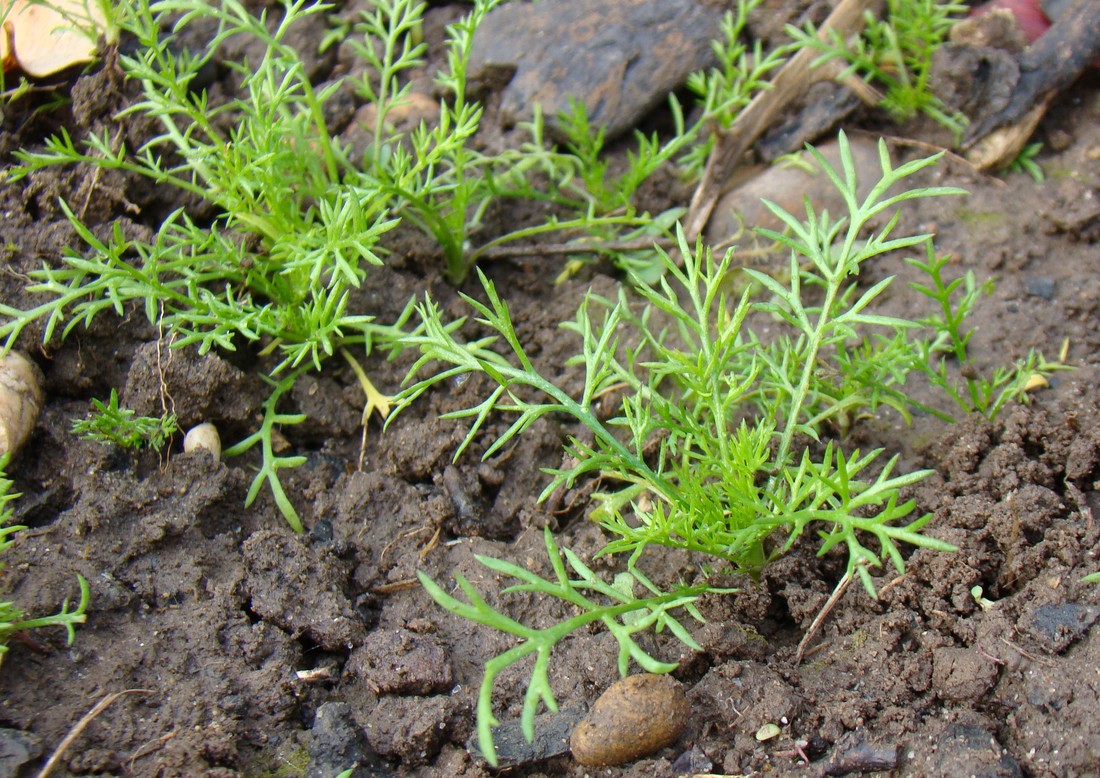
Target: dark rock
(621,57)
(321,532)
(967,749)
(1056,627)
(853,754)
(552,732)
(397,661)
(335,745)
(692,762)
(1039,286)
(825,105)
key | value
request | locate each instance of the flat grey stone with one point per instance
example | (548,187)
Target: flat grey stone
(335,745)
(1056,627)
(621,57)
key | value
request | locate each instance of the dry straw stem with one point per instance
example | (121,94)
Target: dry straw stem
(81,725)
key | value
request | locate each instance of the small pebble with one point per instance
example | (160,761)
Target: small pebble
(21,397)
(1039,286)
(635,717)
(692,762)
(203,436)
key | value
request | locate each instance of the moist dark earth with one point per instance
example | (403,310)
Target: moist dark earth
(250,650)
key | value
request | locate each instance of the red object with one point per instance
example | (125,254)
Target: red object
(1033,22)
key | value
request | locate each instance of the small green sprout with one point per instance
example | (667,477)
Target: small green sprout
(124,428)
(768,731)
(896,52)
(987,395)
(976,592)
(11,616)
(1025,162)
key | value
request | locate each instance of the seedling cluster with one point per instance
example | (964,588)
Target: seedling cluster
(122,427)
(722,442)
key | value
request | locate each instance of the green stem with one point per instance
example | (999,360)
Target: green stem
(809,366)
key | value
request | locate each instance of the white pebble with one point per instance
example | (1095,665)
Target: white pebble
(203,436)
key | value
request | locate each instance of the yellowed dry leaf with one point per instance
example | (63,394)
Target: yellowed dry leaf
(41,38)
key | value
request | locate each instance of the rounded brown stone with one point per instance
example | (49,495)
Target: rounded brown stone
(635,717)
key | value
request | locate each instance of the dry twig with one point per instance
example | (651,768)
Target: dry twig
(81,725)
(834,598)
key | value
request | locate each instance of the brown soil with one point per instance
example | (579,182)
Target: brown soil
(257,648)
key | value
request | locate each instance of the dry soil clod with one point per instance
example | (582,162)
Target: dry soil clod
(635,717)
(21,398)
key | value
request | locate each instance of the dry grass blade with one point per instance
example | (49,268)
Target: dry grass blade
(81,725)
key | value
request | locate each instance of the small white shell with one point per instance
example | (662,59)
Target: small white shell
(203,436)
(21,397)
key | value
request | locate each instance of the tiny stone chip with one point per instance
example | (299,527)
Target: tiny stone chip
(635,717)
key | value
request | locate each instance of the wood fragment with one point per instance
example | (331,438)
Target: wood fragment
(397,586)
(861,757)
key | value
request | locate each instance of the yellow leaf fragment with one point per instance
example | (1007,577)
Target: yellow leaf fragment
(42,38)
(1035,382)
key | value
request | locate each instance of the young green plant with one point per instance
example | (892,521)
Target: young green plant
(971,391)
(718,445)
(122,427)
(614,605)
(741,73)
(294,227)
(295,224)
(896,52)
(12,619)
